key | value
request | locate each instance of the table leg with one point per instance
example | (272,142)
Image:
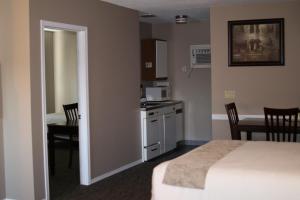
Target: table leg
(249,135)
(71,150)
(51,153)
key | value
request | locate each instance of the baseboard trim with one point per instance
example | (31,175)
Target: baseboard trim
(241,117)
(108,174)
(191,142)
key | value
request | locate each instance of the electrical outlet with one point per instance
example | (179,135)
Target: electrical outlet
(148,65)
(229,94)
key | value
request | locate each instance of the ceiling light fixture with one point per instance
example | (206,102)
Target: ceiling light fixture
(181,19)
(147,15)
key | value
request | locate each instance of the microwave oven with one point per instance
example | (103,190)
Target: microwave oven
(161,93)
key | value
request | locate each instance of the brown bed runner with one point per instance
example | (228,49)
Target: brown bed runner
(190,169)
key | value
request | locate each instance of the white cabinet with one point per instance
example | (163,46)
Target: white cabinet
(169,131)
(152,128)
(179,122)
(161,59)
(151,152)
(158,131)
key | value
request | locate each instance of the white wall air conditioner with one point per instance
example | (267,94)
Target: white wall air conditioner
(200,56)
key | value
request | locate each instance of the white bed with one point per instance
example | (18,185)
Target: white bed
(161,191)
(254,171)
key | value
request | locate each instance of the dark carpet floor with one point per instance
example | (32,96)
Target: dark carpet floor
(66,179)
(131,184)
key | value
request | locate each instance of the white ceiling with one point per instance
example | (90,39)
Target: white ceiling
(166,10)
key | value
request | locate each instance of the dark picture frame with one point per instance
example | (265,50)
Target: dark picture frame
(256,42)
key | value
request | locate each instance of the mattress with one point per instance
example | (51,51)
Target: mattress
(161,191)
(253,171)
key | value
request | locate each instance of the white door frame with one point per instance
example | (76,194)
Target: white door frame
(83,103)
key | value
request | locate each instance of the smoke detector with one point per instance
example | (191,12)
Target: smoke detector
(181,19)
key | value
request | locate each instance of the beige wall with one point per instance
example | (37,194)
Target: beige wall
(145,30)
(255,87)
(49,71)
(16,99)
(2,164)
(195,90)
(2,160)
(114,78)
(61,69)
(65,69)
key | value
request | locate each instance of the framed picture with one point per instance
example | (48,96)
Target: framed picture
(256,42)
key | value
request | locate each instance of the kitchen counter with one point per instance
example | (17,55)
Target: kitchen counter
(155,105)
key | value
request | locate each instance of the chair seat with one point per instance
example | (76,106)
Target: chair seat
(65,137)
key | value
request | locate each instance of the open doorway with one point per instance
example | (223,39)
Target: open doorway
(61,90)
(65,107)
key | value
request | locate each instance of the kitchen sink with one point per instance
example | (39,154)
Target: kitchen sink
(155,103)
(167,102)
(148,104)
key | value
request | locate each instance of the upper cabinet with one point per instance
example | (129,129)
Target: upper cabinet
(154,60)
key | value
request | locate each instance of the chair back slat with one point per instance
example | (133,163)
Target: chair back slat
(233,119)
(71,111)
(281,124)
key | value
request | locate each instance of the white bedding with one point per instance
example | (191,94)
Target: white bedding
(162,191)
(254,171)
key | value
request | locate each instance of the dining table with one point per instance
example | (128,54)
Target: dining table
(68,128)
(250,125)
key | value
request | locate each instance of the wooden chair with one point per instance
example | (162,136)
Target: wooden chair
(233,121)
(71,112)
(281,124)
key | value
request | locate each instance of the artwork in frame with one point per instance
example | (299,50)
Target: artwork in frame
(256,42)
